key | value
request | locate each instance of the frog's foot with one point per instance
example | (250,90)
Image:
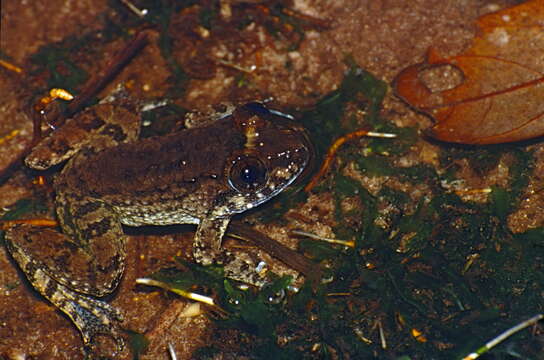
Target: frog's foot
(207,250)
(241,267)
(92,317)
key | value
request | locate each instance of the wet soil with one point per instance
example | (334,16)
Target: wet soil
(231,62)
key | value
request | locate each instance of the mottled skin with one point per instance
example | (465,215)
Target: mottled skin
(202,175)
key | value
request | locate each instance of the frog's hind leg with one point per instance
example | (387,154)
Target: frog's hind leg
(92,317)
(207,250)
(88,258)
(94,261)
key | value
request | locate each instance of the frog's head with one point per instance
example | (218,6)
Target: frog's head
(275,153)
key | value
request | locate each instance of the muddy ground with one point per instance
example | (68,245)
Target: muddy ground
(245,61)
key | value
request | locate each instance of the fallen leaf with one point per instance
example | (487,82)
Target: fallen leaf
(499,96)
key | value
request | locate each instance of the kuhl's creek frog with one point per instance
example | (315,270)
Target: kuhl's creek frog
(201,175)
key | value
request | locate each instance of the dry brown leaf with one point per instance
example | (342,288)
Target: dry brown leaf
(499,96)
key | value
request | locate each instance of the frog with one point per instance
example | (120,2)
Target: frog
(218,166)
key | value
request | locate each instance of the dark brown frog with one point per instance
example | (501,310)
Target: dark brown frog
(202,175)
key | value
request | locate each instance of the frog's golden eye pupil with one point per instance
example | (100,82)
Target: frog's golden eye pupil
(247,174)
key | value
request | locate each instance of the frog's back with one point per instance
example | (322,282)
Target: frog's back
(179,162)
(233,164)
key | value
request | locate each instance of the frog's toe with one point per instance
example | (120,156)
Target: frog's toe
(242,268)
(94,317)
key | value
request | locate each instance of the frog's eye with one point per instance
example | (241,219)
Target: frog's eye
(247,174)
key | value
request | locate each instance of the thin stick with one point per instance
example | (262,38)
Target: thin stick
(334,149)
(93,85)
(291,258)
(349,243)
(104,76)
(172,352)
(10,66)
(503,336)
(186,294)
(134,9)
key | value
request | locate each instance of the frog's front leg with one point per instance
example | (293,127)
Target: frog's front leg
(88,258)
(207,250)
(96,128)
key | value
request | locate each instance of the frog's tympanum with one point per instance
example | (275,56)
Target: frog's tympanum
(201,175)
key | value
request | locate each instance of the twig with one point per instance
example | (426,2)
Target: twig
(104,76)
(134,9)
(349,243)
(186,294)
(172,352)
(92,86)
(291,258)
(503,336)
(10,66)
(334,149)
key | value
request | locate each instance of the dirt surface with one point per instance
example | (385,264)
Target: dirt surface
(247,63)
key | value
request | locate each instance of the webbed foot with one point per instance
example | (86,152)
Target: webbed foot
(92,317)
